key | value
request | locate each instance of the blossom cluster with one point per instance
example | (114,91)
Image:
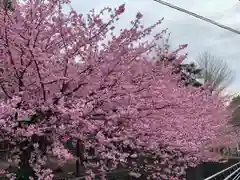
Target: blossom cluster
(61,75)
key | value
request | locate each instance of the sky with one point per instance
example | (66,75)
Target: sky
(199,35)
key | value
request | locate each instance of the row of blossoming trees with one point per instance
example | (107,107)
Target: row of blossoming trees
(117,101)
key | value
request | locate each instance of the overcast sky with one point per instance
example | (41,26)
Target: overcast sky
(199,35)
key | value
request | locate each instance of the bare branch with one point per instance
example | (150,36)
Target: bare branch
(5,92)
(215,70)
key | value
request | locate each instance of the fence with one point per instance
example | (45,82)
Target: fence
(230,173)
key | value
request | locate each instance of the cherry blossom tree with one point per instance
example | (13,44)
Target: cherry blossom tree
(61,75)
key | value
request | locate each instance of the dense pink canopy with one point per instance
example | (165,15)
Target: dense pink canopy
(114,95)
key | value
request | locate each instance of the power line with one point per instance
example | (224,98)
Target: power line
(198,16)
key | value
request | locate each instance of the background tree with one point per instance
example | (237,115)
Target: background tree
(234,106)
(189,72)
(8,4)
(215,71)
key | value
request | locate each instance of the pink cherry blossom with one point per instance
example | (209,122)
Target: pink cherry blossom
(119,103)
